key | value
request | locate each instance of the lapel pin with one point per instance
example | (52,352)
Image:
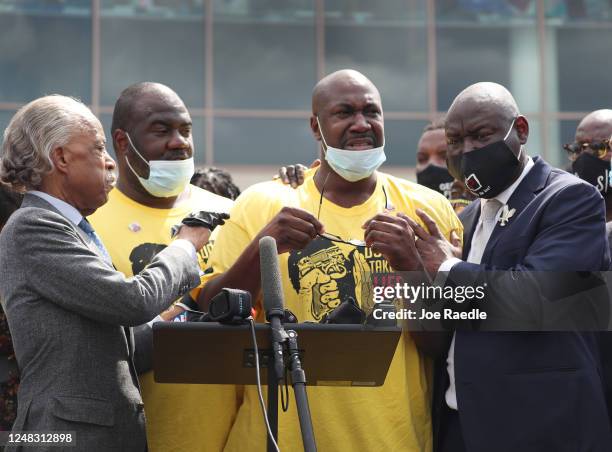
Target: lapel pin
(506,214)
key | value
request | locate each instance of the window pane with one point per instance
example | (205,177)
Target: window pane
(485,10)
(241,141)
(45,48)
(579,10)
(578,48)
(567,131)
(161,42)
(264,54)
(488,41)
(583,68)
(198,137)
(5,118)
(534,144)
(367,11)
(401,139)
(388,44)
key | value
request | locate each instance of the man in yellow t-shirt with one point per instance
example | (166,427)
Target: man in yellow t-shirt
(314,226)
(152,138)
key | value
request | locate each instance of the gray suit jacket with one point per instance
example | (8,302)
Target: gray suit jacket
(67,309)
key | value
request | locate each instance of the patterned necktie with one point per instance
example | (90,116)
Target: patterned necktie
(86,227)
(483,230)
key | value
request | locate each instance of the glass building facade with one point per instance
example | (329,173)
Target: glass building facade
(246,68)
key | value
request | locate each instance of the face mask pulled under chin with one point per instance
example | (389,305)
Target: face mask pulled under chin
(486,171)
(167,178)
(595,171)
(353,165)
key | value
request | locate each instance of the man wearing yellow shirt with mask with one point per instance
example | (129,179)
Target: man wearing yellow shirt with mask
(319,228)
(151,131)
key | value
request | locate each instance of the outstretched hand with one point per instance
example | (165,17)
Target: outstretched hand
(432,246)
(393,237)
(294,174)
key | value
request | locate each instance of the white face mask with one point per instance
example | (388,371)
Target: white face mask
(167,178)
(353,165)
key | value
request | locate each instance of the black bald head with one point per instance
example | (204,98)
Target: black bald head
(349,110)
(595,128)
(482,114)
(132,104)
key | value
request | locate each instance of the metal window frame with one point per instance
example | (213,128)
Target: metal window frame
(209,112)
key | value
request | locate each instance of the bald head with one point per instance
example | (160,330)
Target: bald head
(326,89)
(492,97)
(596,126)
(135,102)
(484,116)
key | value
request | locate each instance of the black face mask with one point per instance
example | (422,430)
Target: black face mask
(437,178)
(486,171)
(593,170)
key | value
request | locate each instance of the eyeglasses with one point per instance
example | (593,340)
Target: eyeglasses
(336,238)
(597,149)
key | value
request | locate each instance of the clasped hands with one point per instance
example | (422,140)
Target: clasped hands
(393,236)
(407,245)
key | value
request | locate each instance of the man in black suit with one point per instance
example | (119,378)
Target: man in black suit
(536,392)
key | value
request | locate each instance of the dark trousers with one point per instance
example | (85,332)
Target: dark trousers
(451,437)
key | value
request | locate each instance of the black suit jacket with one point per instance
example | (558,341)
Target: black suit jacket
(533,391)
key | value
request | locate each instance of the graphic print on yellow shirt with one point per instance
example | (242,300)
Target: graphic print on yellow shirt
(194,418)
(325,273)
(394,416)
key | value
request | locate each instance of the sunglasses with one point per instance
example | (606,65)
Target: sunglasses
(597,149)
(337,238)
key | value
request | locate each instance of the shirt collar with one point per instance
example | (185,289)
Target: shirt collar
(62,206)
(505,195)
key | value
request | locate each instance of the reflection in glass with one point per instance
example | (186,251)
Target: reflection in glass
(367,11)
(153,8)
(279,11)
(578,10)
(264,141)
(485,11)
(47,7)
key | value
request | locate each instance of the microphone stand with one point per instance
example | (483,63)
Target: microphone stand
(281,339)
(298,381)
(276,370)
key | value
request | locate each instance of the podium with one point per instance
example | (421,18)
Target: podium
(331,355)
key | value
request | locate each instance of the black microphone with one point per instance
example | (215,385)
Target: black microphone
(271,287)
(231,306)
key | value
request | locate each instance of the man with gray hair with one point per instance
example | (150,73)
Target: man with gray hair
(68,308)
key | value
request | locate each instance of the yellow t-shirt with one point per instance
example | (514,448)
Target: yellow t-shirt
(395,416)
(179,417)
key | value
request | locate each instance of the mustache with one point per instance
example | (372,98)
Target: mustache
(370,135)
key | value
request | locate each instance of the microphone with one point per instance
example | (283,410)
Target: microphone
(272,291)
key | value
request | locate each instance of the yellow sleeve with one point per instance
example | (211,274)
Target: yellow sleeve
(251,212)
